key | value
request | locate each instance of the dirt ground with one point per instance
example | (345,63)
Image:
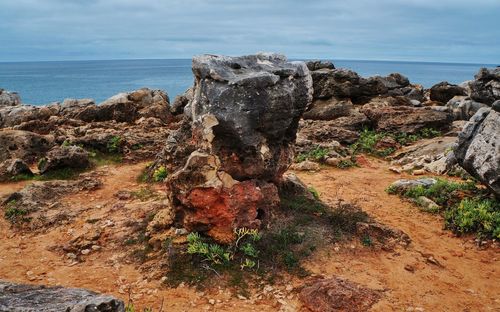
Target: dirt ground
(437,272)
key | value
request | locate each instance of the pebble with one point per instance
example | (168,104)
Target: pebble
(70,255)
(85,251)
(96,247)
(211,301)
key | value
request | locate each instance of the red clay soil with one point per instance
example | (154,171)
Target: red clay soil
(438,272)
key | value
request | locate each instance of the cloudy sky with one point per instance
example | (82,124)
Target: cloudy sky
(421,30)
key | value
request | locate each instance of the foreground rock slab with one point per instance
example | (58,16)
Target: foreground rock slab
(238,141)
(336,294)
(31,298)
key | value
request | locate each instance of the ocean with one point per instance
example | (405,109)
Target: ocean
(45,82)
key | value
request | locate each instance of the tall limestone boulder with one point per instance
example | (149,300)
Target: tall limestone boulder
(478,150)
(237,142)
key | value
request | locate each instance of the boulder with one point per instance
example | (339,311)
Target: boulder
(319,131)
(13,167)
(485,88)
(181,101)
(463,107)
(318,64)
(25,145)
(444,91)
(9,98)
(406,119)
(478,149)
(31,298)
(403,185)
(328,109)
(240,136)
(60,157)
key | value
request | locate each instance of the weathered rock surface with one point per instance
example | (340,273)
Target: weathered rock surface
(406,119)
(13,167)
(444,91)
(244,117)
(402,185)
(463,107)
(24,145)
(64,157)
(9,98)
(485,88)
(319,64)
(38,203)
(34,298)
(478,149)
(328,109)
(336,294)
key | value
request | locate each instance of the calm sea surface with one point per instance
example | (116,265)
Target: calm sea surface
(45,82)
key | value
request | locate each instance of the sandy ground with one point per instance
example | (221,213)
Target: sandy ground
(438,272)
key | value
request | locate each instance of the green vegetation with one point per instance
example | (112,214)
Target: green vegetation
(15,214)
(316,154)
(347,163)
(368,140)
(115,144)
(465,207)
(160,174)
(99,158)
(314,192)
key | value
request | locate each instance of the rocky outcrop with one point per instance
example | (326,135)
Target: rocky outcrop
(336,294)
(319,64)
(328,109)
(181,101)
(463,107)
(478,149)
(243,121)
(123,107)
(24,145)
(9,98)
(444,91)
(405,119)
(485,88)
(31,298)
(60,157)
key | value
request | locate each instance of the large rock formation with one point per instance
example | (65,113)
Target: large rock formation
(485,88)
(31,298)
(444,91)
(238,142)
(478,150)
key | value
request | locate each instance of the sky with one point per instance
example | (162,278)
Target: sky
(463,31)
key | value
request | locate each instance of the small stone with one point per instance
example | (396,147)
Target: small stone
(409,268)
(70,255)
(242,297)
(96,247)
(85,251)
(334,162)
(181,231)
(289,288)
(419,172)
(211,301)
(306,166)
(395,170)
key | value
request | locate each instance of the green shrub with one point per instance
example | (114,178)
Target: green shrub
(115,144)
(347,163)
(475,215)
(314,192)
(160,174)
(441,192)
(316,154)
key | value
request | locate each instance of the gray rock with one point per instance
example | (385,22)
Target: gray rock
(485,88)
(34,298)
(181,101)
(444,91)
(478,149)
(9,98)
(64,157)
(402,185)
(24,145)
(463,107)
(318,64)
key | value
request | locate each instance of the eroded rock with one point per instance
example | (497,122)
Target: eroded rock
(9,98)
(478,149)
(31,298)
(238,141)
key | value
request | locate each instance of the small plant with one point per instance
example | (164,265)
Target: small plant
(316,154)
(115,144)
(160,174)
(144,194)
(367,141)
(347,163)
(249,250)
(366,240)
(250,264)
(314,192)
(214,253)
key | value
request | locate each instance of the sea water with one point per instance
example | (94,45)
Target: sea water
(45,82)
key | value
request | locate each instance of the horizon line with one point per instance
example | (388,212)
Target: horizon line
(291,59)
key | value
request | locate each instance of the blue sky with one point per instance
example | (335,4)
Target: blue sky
(420,30)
